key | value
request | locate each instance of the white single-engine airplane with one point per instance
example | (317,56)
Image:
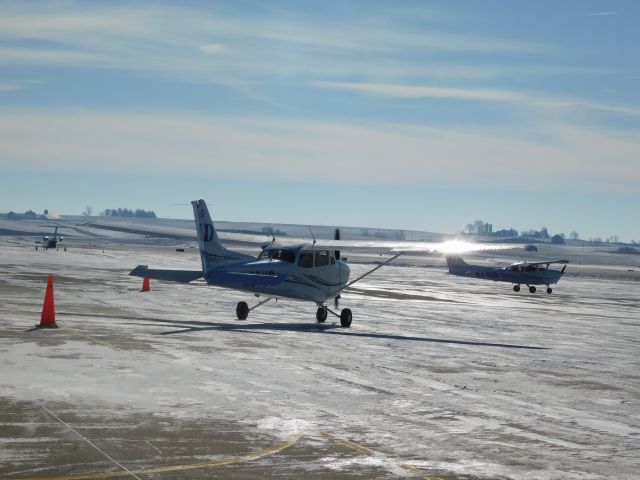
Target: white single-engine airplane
(527,273)
(300,272)
(309,272)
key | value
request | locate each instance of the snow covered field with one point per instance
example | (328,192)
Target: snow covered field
(439,376)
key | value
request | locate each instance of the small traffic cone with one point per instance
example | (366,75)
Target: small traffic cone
(145,285)
(48,317)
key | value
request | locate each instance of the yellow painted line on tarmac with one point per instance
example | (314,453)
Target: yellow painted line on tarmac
(412,469)
(368,451)
(92,338)
(354,446)
(272,449)
(349,444)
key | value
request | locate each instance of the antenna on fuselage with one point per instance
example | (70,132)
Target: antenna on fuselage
(312,235)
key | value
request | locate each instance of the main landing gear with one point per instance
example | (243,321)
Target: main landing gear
(243,309)
(321,314)
(532,288)
(345,315)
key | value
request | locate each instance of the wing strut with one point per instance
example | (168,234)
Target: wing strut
(371,271)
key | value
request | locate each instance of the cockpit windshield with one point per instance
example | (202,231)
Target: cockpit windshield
(278,254)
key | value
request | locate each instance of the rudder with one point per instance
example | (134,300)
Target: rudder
(212,253)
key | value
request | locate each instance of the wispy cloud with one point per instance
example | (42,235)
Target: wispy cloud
(169,40)
(212,48)
(601,14)
(476,94)
(9,87)
(252,147)
(17,85)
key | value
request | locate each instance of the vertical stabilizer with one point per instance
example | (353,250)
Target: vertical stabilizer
(212,253)
(455,263)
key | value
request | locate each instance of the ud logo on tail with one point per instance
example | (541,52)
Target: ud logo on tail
(207,231)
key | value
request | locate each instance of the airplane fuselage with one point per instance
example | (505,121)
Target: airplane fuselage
(517,275)
(307,274)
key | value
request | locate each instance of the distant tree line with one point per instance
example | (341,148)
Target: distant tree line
(127,212)
(481,228)
(28,215)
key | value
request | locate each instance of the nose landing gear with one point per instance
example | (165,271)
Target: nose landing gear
(321,314)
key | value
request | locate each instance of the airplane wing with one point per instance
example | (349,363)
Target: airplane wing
(180,276)
(415,248)
(543,262)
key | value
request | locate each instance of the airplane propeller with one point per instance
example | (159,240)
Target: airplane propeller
(336,236)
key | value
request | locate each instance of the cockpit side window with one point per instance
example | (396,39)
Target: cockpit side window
(285,255)
(277,254)
(322,258)
(305,260)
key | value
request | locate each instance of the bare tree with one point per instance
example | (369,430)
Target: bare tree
(88,210)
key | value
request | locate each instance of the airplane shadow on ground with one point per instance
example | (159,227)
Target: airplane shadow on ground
(326,329)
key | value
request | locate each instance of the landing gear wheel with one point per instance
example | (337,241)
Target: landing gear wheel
(345,318)
(532,289)
(321,314)
(549,290)
(516,288)
(242,310)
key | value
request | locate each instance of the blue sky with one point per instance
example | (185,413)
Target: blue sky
(418,115)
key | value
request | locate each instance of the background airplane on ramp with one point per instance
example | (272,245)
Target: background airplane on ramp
(527,273)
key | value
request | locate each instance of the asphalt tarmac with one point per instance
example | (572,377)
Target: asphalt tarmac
(438,377)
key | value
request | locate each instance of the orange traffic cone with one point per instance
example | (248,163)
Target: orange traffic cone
(145,285)
(48,317)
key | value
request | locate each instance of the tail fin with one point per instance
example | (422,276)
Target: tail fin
(212,253)
(454,261)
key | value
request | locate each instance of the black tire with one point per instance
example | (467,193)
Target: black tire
(321,314)
(516,288)
(532,289)
(242,310)
(549,290)
(345,318)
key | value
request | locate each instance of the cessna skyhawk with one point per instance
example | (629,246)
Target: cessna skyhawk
(527,273)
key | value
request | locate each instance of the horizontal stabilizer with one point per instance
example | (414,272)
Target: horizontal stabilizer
(181,276)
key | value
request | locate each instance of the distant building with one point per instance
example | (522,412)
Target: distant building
(558,240)
(507,233)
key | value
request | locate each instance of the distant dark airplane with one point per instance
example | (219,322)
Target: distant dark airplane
(527,273)
(51,241)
